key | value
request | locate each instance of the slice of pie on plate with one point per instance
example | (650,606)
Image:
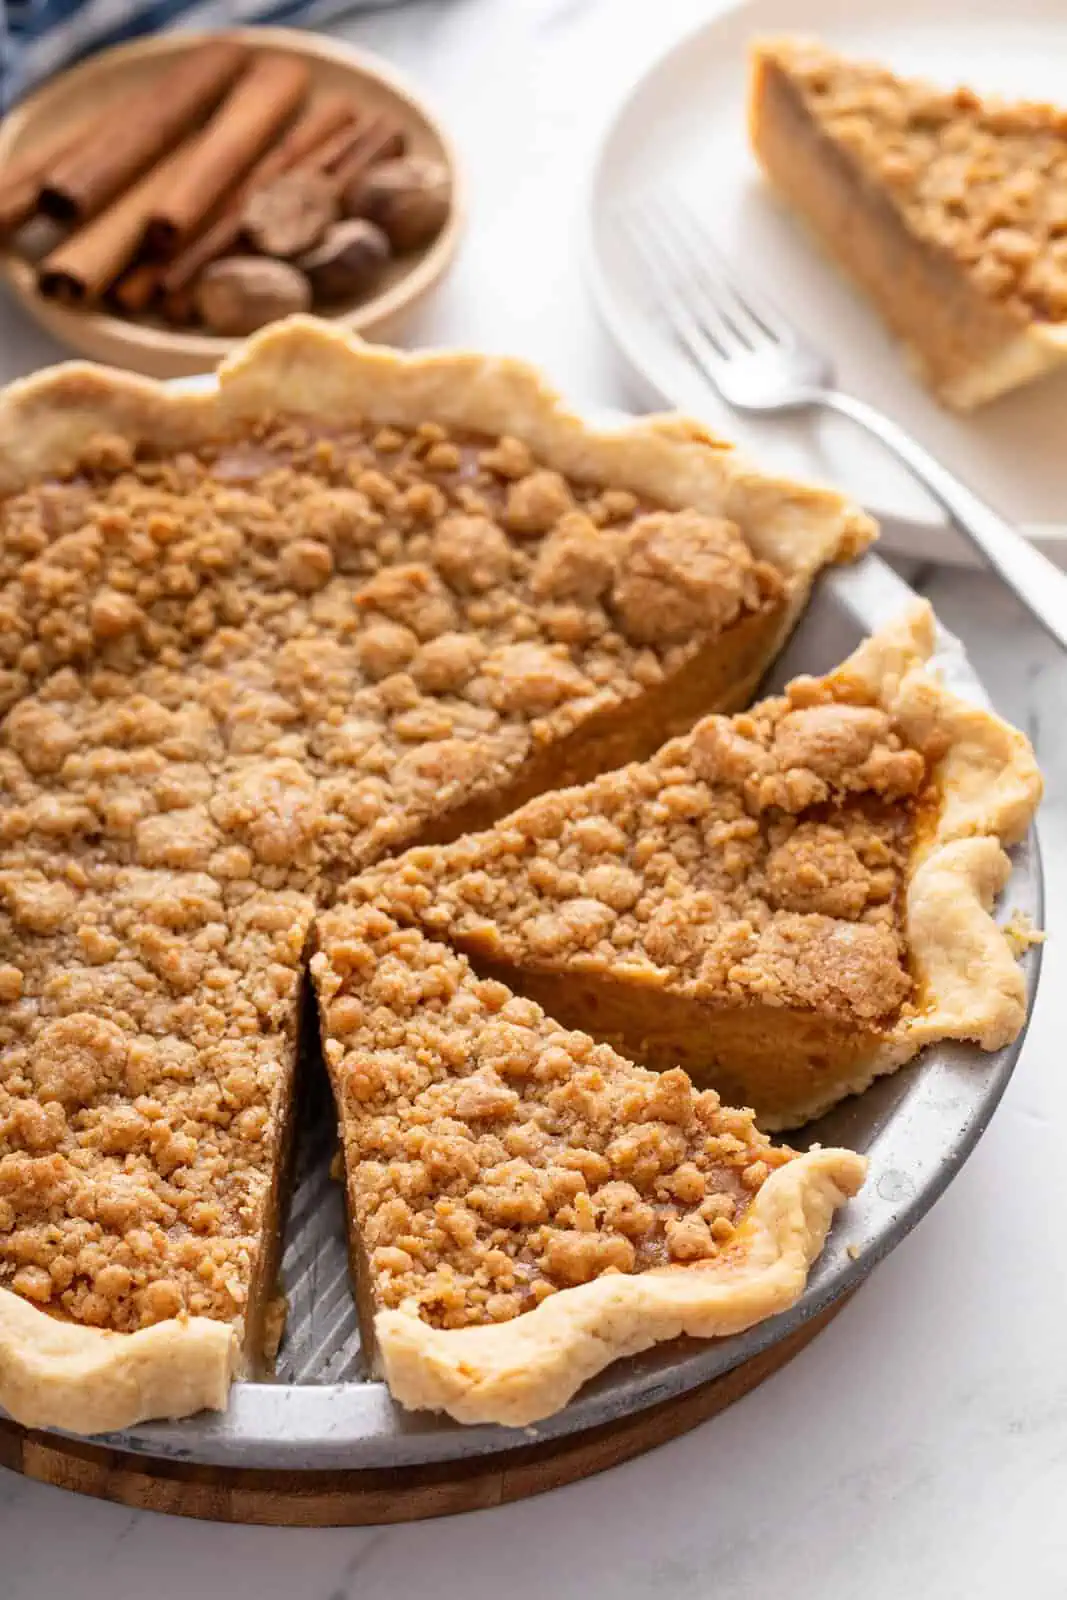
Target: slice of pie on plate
(949,210)
(527,1206)
(786,903)
(250,640)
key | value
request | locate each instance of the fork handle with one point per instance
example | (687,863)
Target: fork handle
(1031,576)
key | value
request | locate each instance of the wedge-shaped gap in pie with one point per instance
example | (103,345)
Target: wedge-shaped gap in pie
(786,903)
(321,1334)
(949,210)
(527,1205)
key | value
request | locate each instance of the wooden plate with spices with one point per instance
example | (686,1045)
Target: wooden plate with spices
(166,197)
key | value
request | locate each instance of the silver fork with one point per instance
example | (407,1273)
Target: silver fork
(745,347)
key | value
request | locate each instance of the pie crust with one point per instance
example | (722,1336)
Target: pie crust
(54,1371)
(756,976)
(494,1162)
(57,1374)
(524,1370)
(667,674)
(943,208)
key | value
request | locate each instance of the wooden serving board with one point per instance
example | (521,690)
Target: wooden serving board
(319,1499)
(147,345)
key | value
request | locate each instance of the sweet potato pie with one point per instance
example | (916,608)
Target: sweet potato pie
(253,643)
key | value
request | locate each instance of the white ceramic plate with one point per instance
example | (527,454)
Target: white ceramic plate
(685,119)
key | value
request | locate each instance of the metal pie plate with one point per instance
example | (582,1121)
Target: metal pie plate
(917,1127)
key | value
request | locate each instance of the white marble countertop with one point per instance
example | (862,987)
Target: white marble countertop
(918,1447)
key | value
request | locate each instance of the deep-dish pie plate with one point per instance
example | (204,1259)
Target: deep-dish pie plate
(917,1127)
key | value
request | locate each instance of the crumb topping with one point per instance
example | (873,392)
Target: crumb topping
(982,179)
(493,1158)
(761,858)
(224,671)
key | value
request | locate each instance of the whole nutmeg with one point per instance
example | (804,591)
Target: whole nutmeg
(409,198)
(348,261)
(239,294)
(289,215)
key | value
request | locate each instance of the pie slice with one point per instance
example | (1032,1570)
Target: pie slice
(527,1206)
(148,1032)
(786,903)
(949,210)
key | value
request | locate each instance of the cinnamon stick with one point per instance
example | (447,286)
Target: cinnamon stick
(30,163)
(328,126)
(136,289)
(260,104)
(380,140)
(21,177)
(83,267)
(81,181)
(18,204)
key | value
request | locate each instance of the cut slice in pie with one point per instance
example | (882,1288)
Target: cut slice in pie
(527,1206)
(950,211)
(786,903)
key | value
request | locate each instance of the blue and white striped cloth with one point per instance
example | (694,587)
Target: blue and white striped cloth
(38,37)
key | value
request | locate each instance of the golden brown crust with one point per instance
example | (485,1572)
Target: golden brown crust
(990,787)
(523,1370)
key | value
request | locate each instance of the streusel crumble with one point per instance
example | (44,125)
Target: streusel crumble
(528,1204)
(245,656)
(494,1157)
(382,625)
(985,181)
(148,1037)
(735,904)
